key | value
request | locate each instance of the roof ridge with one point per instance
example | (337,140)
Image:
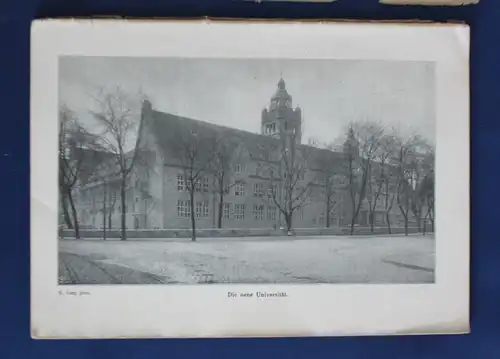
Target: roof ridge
(211,124)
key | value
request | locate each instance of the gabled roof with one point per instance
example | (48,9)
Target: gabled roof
(167,128)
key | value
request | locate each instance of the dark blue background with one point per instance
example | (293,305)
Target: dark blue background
(484,342)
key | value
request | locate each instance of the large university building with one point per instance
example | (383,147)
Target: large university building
(188,165)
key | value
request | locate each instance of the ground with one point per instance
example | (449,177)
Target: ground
(363,259)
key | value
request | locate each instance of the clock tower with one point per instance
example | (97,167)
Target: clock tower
(280,118)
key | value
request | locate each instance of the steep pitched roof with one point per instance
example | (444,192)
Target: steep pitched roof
(167,128)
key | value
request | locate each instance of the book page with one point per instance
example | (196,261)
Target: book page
(282,182)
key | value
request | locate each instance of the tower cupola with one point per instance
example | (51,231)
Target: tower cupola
(280,119)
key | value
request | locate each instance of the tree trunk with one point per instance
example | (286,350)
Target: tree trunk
(356,210)
(406,224)
(355,214)
(221,209)
(110,216)
(288,219)
(104,215)
(328,209)
(74,213)
(124,210)
(388,220)
(213,209)
(418,221)
(372,215)
(146,213)
(193,221)
(66,216)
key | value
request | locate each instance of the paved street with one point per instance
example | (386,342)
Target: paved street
(384,259)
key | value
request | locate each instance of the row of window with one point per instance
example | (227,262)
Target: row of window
(114,206)
(236,212)
(183,184)
(184,209)
(258,190)
(238,188)
(258,212)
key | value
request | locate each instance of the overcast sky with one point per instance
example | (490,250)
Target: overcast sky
(233,92)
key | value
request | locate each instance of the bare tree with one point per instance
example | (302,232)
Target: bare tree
(360,149)
(373,191)
(141,175)
(424,186)
(379,179)
(408,175)
(295,188)
(329,176)
(225,153)
(193,148)
(111,207)
(104,209)
(108,187)
(118,115)
(391,185)
(428,193)
(73,141)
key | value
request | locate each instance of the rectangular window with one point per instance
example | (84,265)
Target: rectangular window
(197,185)
(183,208)
(181,183)
(199,208)
(272,190)
(271,213)
(135,205)
(271,128)
(238,168)
(205,209)
(239,189)
(258,212)
(258,170)
(239,211)
(227,211)
(258,190)
(205,184)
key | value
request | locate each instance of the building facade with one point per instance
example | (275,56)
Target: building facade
(267,176)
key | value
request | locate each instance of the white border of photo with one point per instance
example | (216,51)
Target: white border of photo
(134,311)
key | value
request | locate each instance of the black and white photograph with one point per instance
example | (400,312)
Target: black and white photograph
(312,168)
(192,171)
